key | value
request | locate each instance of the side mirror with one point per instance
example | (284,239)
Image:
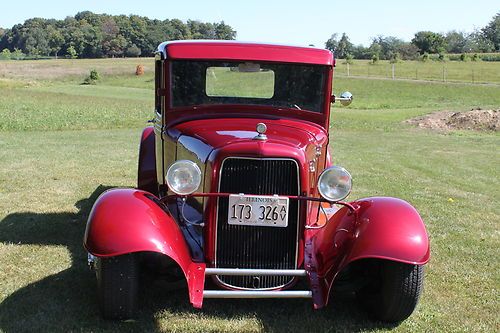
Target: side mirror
(345,98)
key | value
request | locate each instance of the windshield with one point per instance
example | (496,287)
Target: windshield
(279,85)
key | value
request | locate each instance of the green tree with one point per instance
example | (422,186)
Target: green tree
(395,58)
(133,51)
(113,43)
(178,30)
(102,35)
(408,51)
(332,43)
(375,49)
(55,40)
(72,52)
(344,48)
(492,31)
(73,36)
(137,33)
(6,54)
(477,42)
(155,34)
(114,47)
(201,30)
(36,43)
(30,46)
(4,43)
(224,31)
(3,32)
(388,45)
(455,41)
(360,52)
(428,41)
(17,54)
(91,41)
(89,17)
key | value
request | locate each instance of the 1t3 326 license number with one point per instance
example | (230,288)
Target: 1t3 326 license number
(258,210)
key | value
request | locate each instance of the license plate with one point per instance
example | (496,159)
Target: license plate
(258,210)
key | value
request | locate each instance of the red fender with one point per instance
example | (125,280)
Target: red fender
(389,228)
(380,227)
(146,173)
(127,220)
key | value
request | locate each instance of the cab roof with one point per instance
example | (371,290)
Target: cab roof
(233,50)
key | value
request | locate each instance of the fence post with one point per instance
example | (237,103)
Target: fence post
(473,75)
(393,71)
(416,73)
(347,69)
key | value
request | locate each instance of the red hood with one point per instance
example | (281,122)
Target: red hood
(217,133)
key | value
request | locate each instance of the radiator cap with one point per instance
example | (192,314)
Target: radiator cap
(261,129)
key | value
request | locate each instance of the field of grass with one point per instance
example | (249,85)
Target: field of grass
(449,71)
(62,143)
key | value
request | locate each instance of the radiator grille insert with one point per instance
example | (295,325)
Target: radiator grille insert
(241,246)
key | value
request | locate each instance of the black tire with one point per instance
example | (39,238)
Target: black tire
(394,292)
(117,286)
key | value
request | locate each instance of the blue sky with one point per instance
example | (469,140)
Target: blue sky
(290,22)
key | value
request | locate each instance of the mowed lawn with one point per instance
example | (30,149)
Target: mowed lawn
(62,144)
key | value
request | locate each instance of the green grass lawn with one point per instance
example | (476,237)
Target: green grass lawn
(62,143)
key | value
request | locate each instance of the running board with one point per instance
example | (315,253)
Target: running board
(256,294)
(254,272)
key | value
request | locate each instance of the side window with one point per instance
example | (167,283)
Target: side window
(158,85)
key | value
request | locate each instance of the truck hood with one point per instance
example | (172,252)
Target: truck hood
(207,134)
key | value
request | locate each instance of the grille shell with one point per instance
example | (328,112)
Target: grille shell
(239,246)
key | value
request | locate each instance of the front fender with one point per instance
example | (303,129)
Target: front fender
(379,227)
(389,228)
(128,220)
(146,171)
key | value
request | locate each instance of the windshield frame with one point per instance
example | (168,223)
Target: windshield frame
(288,83)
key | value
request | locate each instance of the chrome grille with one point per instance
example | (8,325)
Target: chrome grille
(241,246)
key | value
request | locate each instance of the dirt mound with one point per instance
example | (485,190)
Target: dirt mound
(475,119)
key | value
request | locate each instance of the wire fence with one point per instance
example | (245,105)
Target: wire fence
(452,71)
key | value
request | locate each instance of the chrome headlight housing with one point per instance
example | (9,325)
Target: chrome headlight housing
(335,183)
(183,177)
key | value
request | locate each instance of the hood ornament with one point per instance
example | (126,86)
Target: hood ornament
(261,129)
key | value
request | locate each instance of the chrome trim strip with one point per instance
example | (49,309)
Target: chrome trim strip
(217,220)
(250,271)
(257,294)
(91,260)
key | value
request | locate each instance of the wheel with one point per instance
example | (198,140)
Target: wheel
(393,292)
(117,286)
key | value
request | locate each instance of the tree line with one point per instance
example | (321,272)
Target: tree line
(90,35)
(482,40)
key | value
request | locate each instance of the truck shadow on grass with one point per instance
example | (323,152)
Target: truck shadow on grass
(66,301)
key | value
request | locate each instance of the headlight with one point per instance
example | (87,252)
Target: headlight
(184,177)
(334,183)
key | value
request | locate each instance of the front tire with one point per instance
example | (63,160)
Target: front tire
(117,286)
(394,292)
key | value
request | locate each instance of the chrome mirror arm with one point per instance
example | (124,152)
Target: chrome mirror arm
(345,98)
